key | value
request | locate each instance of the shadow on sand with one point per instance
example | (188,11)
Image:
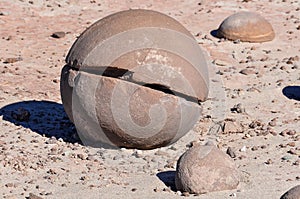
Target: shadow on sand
(168,178)
(214,33)
(292,92)
(43,117)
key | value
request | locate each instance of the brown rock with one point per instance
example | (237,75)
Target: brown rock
(203,169)
(230,152)
(247,71)
(144,59)
(238,108)
(293,193)
(246,26)
(12,60)
(254,148)
(129,115)
(144,93)
(58,35)
(33,196)
(256,123)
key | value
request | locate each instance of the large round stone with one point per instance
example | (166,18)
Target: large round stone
(203,169)
(246,26)
(293,193)
(133,79)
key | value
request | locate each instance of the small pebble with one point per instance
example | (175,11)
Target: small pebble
(243,149)
(178,193)
(133,189)
(269,161)
(291,132)
(247,71)
(58,35)
(263,146)
(293,151)
(230,152)
(273,122)
(12,60)
(254,148)
(81,156)
(237,41)
(10,185)
(167,189)
(297,162)
(238,108)
(287,132)
(186,194)
(33,196)
(255,124)
(273,133)
(233,195)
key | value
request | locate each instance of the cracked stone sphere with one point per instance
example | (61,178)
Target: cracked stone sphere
(134,79)
(293,193)
(204,168)
(246,26)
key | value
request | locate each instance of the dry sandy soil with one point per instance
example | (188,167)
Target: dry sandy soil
(41,157)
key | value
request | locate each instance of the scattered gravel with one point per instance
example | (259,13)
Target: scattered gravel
(252,99)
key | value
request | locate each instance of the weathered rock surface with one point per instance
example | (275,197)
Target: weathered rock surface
(293,193)
(246,26)
(120,113)
(203,169)
(27,156)
(130,82)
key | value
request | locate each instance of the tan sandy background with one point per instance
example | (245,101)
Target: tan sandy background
(41,157)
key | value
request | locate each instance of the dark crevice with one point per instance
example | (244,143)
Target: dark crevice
(160,87)
(72,68)
(108,71)
(167,90)
(116,72)
(126,75)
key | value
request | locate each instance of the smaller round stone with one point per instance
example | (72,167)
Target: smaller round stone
(246,26)
(203,169)
(293,193)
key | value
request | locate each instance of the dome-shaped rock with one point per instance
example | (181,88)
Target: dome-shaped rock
(246,26)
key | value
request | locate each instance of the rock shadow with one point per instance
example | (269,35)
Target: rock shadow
(43,117)
(168,178)
(214,33)
(292,92)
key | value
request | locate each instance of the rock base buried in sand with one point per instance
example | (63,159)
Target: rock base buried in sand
(203,169)
(246,26)
(293,193)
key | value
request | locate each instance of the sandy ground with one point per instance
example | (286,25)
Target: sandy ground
(41,157)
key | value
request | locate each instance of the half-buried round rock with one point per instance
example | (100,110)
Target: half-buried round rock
(203,169)
(246,26)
